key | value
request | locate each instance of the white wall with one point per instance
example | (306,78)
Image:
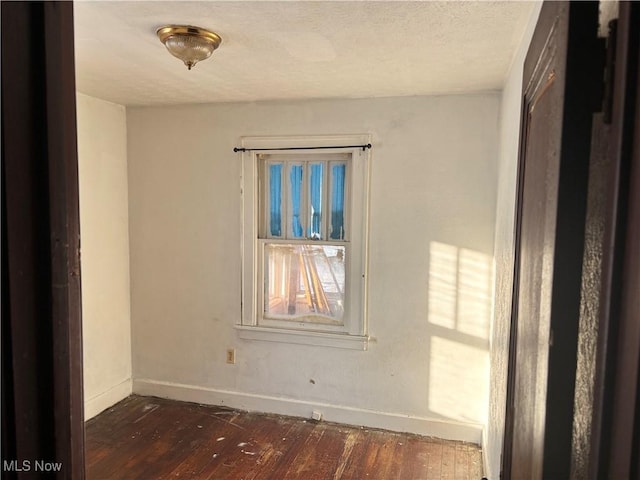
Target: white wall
(433,198)
(104,231)
(510,105)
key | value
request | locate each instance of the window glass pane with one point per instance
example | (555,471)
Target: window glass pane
(304,281)
(315,225)
(275,200)
(337,201)
(296,177)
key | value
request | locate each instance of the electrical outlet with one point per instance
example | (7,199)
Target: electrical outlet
(231,355)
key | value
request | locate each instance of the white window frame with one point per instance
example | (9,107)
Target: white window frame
(353,334)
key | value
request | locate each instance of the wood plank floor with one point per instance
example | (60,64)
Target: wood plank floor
(151,439)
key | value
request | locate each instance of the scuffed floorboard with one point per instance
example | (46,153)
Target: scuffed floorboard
(151,439)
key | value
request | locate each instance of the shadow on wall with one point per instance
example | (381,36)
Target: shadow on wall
(460,304)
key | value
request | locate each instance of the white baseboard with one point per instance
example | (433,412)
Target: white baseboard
(448,430)
(104,400)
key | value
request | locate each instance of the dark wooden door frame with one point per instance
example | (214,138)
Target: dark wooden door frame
(615,426)
(584,56)
(42,393)
(616,415)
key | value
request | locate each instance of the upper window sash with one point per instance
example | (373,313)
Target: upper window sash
(304,197)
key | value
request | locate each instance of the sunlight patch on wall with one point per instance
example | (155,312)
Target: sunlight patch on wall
(460,301)
(460,289)
(459,380)
(443,281)
(475,289)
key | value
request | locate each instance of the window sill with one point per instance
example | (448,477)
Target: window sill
(321,339)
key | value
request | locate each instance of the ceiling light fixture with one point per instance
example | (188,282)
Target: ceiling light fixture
(188,43)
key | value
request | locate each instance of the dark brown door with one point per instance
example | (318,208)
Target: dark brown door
(561,90)
(41,347)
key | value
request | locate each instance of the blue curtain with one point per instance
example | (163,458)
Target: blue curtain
(337,202)
(316,201)
(275,200)
(296,198)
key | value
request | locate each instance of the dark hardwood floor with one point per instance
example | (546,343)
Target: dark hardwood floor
(149,438)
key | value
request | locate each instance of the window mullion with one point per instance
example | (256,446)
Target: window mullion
(288,206)
(329,198)
(284,202)
(325,200)
(348,205)
(263,197)
(305,201)
(266,211)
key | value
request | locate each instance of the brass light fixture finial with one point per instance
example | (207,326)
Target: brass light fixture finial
(188,43)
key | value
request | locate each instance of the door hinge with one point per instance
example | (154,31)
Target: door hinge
(609,72)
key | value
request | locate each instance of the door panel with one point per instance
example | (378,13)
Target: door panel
(561,90)
(539,204)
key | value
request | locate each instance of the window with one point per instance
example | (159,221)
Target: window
(302,238)
(304,253)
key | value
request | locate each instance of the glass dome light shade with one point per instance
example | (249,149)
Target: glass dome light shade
(189,44)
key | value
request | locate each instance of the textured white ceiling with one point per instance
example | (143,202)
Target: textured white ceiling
(296,49)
